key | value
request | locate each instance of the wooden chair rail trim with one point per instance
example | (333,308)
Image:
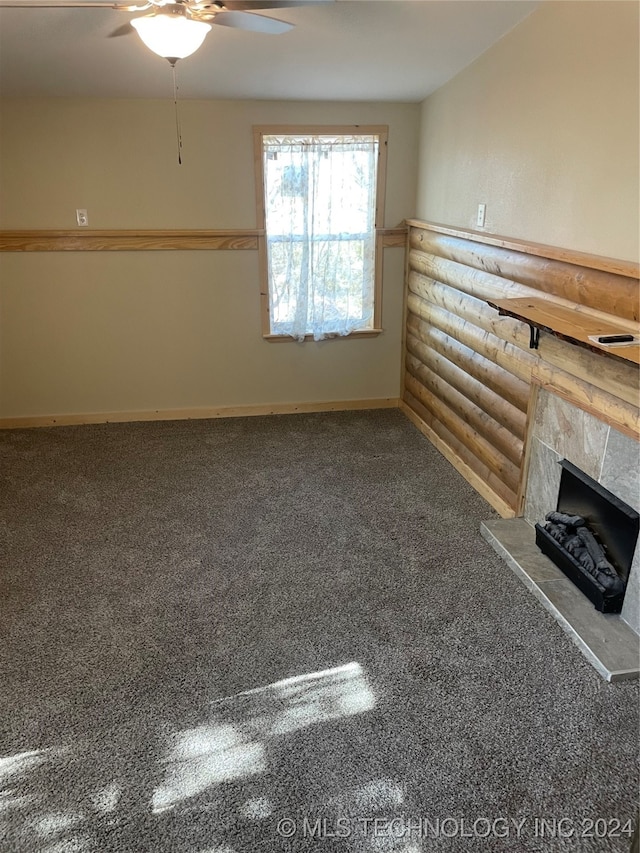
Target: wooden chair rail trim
(582,259)
(127,240)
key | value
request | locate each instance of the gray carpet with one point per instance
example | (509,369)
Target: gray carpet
(252,635)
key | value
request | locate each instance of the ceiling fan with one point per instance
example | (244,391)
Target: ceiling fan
(175,29)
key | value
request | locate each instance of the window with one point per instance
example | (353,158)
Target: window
(320,198)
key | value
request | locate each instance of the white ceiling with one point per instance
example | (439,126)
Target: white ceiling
(395,50)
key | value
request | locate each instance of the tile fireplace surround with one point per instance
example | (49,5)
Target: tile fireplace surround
(561,430)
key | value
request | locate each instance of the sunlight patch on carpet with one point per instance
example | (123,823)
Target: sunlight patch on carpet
(21,762)
(302,700)
(205,756)
(234,744)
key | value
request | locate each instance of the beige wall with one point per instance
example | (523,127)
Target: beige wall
(542,128)
(109,332)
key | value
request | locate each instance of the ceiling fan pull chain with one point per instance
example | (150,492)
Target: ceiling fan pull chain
(175,104)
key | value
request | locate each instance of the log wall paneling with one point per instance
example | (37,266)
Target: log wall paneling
(478,474)
(469,372)
(490,287)
(613,294)
(540,250)
(494,405)
(474,322)
(476,364)
(493,444)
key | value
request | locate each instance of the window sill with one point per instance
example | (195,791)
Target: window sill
(359,333)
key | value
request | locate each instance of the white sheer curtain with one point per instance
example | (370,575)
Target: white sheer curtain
(320,198)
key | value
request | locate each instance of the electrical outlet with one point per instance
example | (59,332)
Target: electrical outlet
(82,217)
(480,218)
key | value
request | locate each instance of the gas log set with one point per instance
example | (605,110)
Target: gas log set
(572,532)
(591,537)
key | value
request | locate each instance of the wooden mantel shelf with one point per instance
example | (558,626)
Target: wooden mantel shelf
(568,324)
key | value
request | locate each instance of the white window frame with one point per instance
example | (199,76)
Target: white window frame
(382,132)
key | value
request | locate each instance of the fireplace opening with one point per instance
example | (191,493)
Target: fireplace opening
(591,537)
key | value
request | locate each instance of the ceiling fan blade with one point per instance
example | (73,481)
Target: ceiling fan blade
(124,30)
(249,5)
(73,4)
(249,21)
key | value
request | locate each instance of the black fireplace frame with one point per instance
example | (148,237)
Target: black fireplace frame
(614,523)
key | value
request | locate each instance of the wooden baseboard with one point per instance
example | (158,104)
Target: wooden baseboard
(197,414)
(470,476)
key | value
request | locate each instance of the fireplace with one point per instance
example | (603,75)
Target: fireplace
(595,522)
(563,437)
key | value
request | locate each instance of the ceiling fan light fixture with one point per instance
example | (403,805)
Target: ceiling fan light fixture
(171,34)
